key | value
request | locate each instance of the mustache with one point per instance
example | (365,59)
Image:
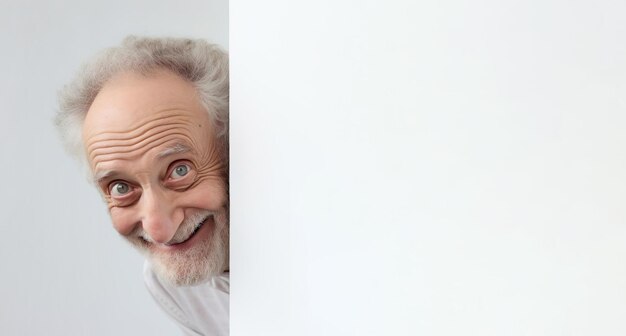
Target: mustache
(189,225)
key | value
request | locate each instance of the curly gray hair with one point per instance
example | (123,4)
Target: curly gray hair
(203,64)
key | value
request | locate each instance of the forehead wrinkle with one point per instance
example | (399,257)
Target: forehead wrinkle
(138,133)
(136,129)
(128,152)
(99,146)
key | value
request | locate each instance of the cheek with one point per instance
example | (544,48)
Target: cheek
(123,220)
(208,194)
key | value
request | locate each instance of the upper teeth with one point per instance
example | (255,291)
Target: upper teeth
(199,225)
(195,229)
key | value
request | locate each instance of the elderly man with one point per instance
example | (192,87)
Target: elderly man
(150,119)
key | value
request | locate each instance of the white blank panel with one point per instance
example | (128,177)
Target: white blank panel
(428,168)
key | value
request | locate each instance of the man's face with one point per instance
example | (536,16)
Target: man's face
(152,149)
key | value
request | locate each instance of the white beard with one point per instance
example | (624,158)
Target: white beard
(194,265)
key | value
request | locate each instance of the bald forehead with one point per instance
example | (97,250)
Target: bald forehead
(129,98)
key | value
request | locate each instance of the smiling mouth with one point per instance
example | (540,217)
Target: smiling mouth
(193,233)
(147,241)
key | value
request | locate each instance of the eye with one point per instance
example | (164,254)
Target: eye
(180,171)
(119,189)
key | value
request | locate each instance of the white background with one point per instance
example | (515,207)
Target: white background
(428,167)
(63,269)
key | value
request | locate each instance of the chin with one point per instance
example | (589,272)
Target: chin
(191,267)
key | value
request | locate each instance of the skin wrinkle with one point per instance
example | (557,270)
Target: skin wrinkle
(199,180)
(96,146)
(103,145)
(141,132)
(134,132)
(129,152)
(147,124)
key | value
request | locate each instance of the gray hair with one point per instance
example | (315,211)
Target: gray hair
(203,64)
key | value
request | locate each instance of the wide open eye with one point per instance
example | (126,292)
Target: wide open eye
(180,171)
(119,189)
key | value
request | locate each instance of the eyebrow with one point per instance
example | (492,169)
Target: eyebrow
(177,148)
(103,175)
(174,149)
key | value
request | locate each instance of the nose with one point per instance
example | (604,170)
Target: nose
(160,217)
